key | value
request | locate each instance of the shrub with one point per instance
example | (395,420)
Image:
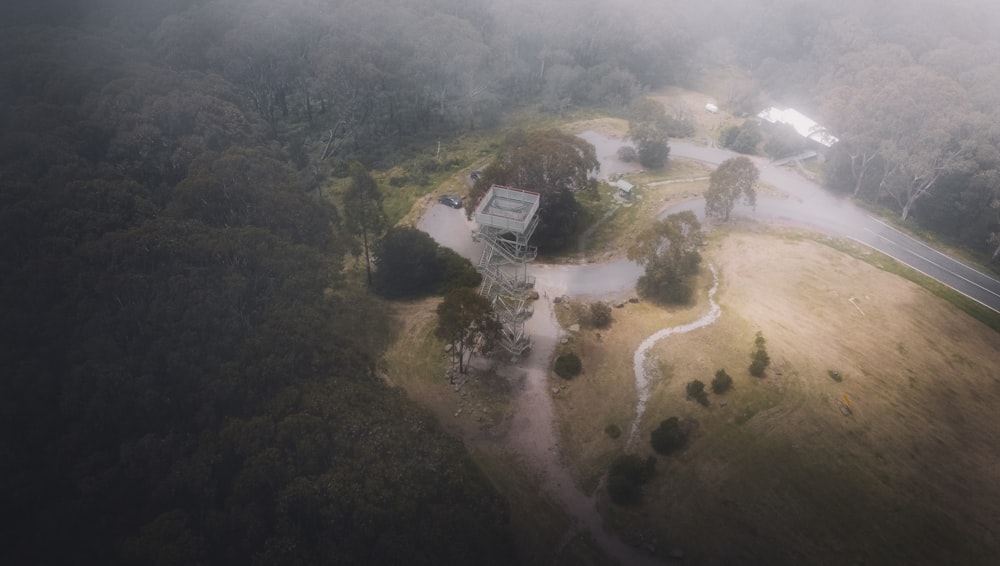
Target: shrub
(728,135)
(743,138)
(653,153)
(669,437)
(696,391)
(722,382)
(628,154)
(835,375)
(627,476)
(600,315)
(759,359)
(613,431)
(568,365)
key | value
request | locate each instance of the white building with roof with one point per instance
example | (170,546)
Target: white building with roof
(804,125)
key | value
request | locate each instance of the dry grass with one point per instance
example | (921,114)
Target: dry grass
(614,127)
(476,406)
(779,474)
(416,362)
(604,394)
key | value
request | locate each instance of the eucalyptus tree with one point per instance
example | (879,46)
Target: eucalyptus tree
(732,179)
(669,252)
(468,322)
(909,125)
(363,214)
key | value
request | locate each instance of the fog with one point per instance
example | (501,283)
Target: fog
(194,368)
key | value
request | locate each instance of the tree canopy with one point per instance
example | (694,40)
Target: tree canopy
(733,179)
(669,437)
(411,264)
(669,252)
(552,163)
(649,128)
(467,321)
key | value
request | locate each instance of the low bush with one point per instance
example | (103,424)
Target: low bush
(568,365)
(696,391)
(600,315)
(653,153)
(743,138)
(627,476)
(722,382)
(669,437)
(628,154)
(613,431)
(759,358)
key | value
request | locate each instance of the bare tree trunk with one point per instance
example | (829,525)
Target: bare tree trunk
(368,261)
(860,169)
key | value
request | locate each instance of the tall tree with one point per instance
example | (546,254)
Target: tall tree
(406,263)
(467,321)
(554,164)
(732,179)
(911,122)
(647,127)
(669,252)
(363,212)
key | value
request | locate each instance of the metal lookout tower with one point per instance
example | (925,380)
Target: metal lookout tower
(505,221)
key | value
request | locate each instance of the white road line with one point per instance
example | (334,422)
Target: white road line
(940,253)
(941,267)
(917,269)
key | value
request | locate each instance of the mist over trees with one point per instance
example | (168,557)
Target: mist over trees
(190,376)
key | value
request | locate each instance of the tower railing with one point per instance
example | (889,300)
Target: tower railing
(506,218)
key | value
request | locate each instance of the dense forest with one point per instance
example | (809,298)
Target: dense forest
(190,374)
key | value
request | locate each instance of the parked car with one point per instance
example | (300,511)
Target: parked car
(452,201)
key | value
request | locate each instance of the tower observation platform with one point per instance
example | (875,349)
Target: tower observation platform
(505,220)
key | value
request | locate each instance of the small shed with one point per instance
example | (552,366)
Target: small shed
(624,188)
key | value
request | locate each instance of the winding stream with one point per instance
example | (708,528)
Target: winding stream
(641,366)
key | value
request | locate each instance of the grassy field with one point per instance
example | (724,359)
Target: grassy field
(779,474)
(774,471)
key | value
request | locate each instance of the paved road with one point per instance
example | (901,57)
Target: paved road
(806,204)
(811,206)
